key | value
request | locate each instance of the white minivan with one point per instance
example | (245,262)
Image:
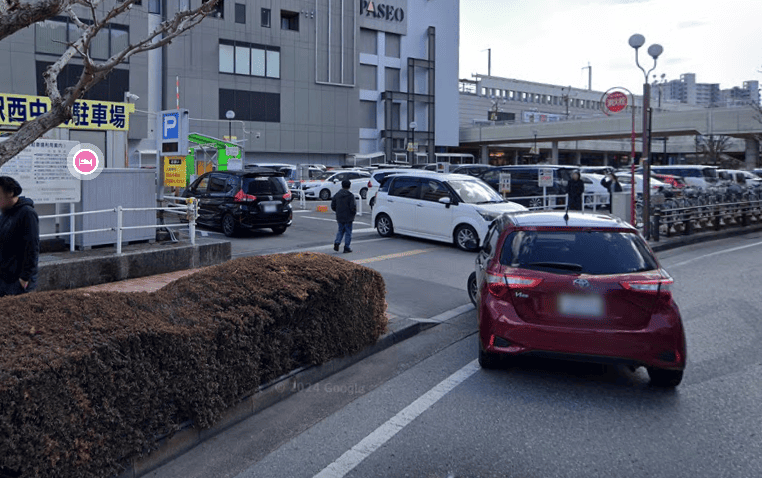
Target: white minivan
(454,208)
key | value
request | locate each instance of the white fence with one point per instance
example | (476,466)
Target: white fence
(552,201)
(189,210)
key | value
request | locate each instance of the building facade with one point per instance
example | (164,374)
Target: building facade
(305,81)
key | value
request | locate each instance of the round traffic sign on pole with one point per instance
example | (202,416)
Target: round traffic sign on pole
(614,102)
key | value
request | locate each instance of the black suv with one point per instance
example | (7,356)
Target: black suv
(525,182)
(252,199)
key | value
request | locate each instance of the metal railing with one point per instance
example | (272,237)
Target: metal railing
(670,218)
(189,210)
(554,201)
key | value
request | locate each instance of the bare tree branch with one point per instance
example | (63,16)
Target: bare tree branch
(92,72)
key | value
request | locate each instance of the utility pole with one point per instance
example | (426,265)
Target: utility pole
(589,76)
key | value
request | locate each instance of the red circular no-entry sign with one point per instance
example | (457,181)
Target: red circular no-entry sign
(615,101)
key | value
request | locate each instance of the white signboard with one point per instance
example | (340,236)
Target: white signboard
(41,169)
(545,179)
(505,183)
(235,164)
(231,151)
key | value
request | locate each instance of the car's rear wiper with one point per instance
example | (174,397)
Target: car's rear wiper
(558,265)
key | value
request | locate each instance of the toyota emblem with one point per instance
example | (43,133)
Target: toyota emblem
(581,283)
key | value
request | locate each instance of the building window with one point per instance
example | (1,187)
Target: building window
(250,105)
(240,13)
(52,36)
(367,77)
(249,59)
(396,114)
(392,79)
(266,17)
(368,114)
(368,42)
(111,88)
(289,20)
(219,8)
(393,45)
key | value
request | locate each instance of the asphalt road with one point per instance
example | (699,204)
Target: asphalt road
(423,408)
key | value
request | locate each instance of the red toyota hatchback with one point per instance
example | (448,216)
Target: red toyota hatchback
(578,286)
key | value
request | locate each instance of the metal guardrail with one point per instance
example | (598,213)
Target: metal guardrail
(711,215)
(189,210)
(552,201)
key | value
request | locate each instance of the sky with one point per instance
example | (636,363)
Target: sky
(553,41)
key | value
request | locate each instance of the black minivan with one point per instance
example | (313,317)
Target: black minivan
(233,200)
(525,182)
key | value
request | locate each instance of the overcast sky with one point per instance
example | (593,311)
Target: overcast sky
(551,41)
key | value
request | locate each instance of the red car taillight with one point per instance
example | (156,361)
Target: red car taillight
(500,285)
(654,286)
(243,197)
(370,184)
(287,196)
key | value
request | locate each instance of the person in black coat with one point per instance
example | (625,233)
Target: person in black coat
(611,183)
(345,206)
(19,240)
(575,188)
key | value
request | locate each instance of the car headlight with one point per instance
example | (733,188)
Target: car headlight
(488,216)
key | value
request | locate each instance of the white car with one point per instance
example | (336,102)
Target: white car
(626,181)
(595,194)
(327,184)
(454,208)
(376,177)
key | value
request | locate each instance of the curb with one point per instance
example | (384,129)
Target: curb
(267,395)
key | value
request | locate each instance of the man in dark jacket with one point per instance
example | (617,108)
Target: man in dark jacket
(19,240)
(346,208)
(575,187)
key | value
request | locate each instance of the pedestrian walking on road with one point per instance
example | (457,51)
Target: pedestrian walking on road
(611,183)
(345,206)
(19,240)
(575,188)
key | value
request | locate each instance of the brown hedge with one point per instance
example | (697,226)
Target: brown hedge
(88,380)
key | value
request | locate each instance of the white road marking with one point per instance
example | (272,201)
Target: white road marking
(353,457)
(732,249)
(334,220)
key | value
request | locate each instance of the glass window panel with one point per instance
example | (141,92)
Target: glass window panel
(257,62)
(50,37)
(367,77)
(393,45)
(393,79)
(227,61)
(266,17)
(99,45)
(273,64)
(240,13)
(368,42)
(120,40)
(242,60)
(368,114)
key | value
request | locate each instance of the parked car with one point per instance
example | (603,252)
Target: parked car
(234,200)
(578,286)
(377,178)
(525,182)
(603,170)
(594,191)
(475,170)
(695,175)
(453,208)
(675,182)
(329,183)
(656,186)
(739,177)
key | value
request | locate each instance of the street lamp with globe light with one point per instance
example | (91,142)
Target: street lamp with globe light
(654,51)
(230,115)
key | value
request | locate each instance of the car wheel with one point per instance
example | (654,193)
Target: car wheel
(486,359)
(535,203)
(384,225)
(229,226)
(364,193)
(464,235)
(325,195)
(473,288)
(279,229)
(665,378)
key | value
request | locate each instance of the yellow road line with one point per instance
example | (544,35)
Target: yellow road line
(393,256)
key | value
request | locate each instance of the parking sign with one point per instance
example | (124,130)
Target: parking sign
(170,125)
(173,125)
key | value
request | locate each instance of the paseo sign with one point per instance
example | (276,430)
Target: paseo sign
(381,11)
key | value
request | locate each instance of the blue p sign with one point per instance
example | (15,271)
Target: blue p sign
(169,126)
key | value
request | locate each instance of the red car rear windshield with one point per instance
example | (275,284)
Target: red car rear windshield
(578,252)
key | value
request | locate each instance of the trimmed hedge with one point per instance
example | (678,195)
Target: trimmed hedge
(88,380)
